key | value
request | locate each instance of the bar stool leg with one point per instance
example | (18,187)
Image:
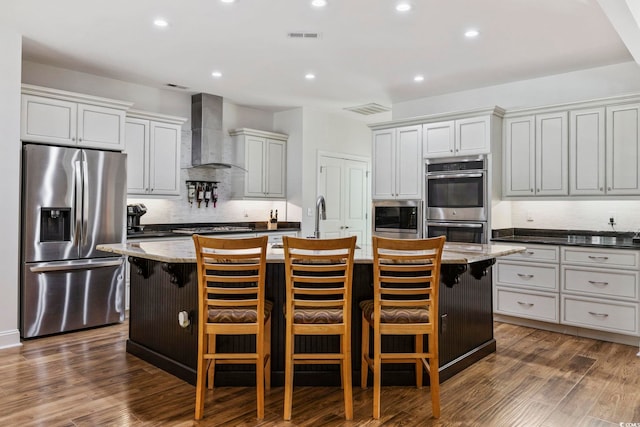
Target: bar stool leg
(434,377)
(288,374)
(364,369)
(346,377)
(267,339)
(377,373)
(419,349)
(200,379)
(211,371)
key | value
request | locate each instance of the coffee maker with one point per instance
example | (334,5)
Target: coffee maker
(134,212)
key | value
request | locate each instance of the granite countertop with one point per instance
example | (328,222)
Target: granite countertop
(567,238)
(183,252)
(179,230)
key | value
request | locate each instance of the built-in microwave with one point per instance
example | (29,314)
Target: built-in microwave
(397,219)
(456,189)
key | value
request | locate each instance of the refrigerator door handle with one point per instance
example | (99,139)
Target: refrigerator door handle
(64,266)
(77,194)
(85,198)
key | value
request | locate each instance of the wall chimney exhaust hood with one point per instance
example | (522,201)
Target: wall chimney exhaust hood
(207,137)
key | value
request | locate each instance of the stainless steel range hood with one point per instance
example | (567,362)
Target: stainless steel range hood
(207,137)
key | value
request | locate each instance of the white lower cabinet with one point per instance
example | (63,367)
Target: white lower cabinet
(601,314)
(527,283)
(596,288)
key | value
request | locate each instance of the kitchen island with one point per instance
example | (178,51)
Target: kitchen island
(164,284)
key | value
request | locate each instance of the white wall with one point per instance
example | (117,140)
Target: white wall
(10,64)
(580,85)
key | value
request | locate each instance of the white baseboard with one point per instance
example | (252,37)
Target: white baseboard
(10,338)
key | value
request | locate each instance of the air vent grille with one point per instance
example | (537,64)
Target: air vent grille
(368,109)
(303,35)
(176,86)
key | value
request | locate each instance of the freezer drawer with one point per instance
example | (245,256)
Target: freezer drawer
(70,295)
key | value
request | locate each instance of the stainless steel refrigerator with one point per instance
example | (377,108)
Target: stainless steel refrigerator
(72,200)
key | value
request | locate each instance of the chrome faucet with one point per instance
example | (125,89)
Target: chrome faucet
(320,210)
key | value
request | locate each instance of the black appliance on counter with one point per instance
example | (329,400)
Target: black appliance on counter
(457,199)
(134,212)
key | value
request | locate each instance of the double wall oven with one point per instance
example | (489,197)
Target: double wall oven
(456,199)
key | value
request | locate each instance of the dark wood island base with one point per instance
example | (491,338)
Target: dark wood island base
(160,291)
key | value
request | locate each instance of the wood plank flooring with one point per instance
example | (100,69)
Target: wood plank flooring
(536,378)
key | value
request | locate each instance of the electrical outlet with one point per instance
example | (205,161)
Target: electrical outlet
(309,212)
(612,218)
(529,216)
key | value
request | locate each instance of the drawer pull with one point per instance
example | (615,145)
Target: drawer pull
(525,276)
(528,253)
(526,304)
(603,258)
(593,313)
(593,282)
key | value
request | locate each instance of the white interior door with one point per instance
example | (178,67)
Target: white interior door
(344,182)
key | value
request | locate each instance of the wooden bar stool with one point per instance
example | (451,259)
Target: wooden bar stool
(231,301)
(406,279)
(318,302)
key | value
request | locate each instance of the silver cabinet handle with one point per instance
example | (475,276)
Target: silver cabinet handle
(531,190)
(79,139)
(528,253)
(593,313)
(603,258)
(525,276)
(526,304)
(609,188)
(455,175)
(593,282)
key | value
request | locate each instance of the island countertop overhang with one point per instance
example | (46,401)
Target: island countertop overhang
(172,251)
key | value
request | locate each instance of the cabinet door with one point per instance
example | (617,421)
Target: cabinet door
(48,120)
(101,127)
(473,136)
(586,152)
(384,159)
(164,158)
(137,150)
(551,155)
(254,185)
(438,139)
(275,168)
(623,153)
(408,163)
(519,156)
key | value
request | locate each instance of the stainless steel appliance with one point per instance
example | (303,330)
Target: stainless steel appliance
(457,199)
(459,231)
(398,219)
(72,200)
(457,189)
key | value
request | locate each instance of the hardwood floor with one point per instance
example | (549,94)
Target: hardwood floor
(536,378)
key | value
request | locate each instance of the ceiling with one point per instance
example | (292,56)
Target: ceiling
(367,51)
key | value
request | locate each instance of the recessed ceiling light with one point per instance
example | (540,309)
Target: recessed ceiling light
(319,3)
(418,78)
(403,7)
(216,74)
(160,22)
(310,76)
(227,1)
(471,33)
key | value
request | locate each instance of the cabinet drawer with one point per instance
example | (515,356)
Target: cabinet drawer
(544,277)
(607,316)
(614,284)
(595,257)
(531,305)
(536,253)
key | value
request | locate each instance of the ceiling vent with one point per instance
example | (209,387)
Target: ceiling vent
(368,109)
(303,35)
(175,86)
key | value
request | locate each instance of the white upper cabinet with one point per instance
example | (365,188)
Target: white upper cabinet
(587,151)
(462,137)
(153,154)
(66,118)
(264,157)
(397,163)
(536,155)
(622,151)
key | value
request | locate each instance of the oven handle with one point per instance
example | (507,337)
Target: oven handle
(454,224)
(455,175)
